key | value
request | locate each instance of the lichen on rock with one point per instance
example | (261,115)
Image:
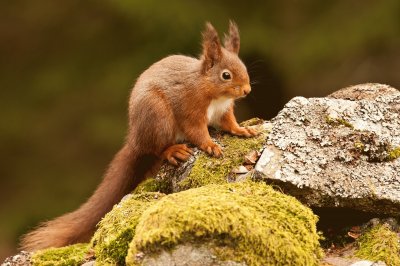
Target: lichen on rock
(244,222)
(338,151)
(338,121)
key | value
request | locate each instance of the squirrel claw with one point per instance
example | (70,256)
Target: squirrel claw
(252,131)
(177,151)
(172,161)
(213,149)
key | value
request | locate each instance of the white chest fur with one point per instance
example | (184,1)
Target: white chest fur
(216,109)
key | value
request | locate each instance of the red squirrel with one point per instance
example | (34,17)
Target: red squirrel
(174,100)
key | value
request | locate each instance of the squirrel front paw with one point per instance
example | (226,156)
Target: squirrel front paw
(245,132)
(212,148)
(177,152)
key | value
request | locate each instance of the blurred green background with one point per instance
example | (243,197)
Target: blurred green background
(67,68)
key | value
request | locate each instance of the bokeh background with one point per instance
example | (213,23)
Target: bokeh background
(66,69)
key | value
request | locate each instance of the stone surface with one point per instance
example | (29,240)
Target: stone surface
(338,151)
(187,255)
(368,263)
(21,259)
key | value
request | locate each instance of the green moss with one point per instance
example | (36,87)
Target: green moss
(245,221)
(209,170)
(338,121)
(152,185)
(359,146)
(380,244)
(393,154)
(65,256)
(117,228)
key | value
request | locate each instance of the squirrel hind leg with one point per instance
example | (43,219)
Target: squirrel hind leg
(176,152)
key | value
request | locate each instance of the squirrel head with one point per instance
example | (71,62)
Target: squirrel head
(221,66)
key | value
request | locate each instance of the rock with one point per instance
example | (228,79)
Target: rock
(187,255)
(21,259)
(338,151)
(368,263)
(246,222)
(240,170)
(340,261)
(368,91)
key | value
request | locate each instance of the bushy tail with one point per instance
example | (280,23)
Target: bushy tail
(125,172)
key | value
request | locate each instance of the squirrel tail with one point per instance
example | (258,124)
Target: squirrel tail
(125,172)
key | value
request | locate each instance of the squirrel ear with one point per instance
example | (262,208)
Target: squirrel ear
(232,41)
(211,47)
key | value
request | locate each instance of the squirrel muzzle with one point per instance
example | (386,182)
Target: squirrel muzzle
(246,90)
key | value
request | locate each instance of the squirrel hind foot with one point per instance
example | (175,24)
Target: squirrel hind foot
(177,152)
(245,132)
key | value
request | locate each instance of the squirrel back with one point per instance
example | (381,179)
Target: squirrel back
(174,100)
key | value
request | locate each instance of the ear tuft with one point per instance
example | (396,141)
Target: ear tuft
(211,47)
(232,40)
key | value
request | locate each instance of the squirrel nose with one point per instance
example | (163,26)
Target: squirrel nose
(246,89)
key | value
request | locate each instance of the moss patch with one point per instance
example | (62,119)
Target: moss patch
(65,256)
(117,228)
(393,154)
(209,170)
(338,121)
(369,146)
(246,221)
(380,244)
(153,185)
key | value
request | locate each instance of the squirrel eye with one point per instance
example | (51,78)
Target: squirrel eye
(226,75)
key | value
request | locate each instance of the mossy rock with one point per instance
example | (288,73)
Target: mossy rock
(152,185)
(117,228)
(202,169)
(210,170)
(380,244)
(66,256)
(244,222)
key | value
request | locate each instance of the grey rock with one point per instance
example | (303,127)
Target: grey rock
(23,258)
(187,255)
(89,263)
(335,151)
(368,263)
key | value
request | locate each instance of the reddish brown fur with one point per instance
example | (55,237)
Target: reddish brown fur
(232,41)
(175,99)
(177,151)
